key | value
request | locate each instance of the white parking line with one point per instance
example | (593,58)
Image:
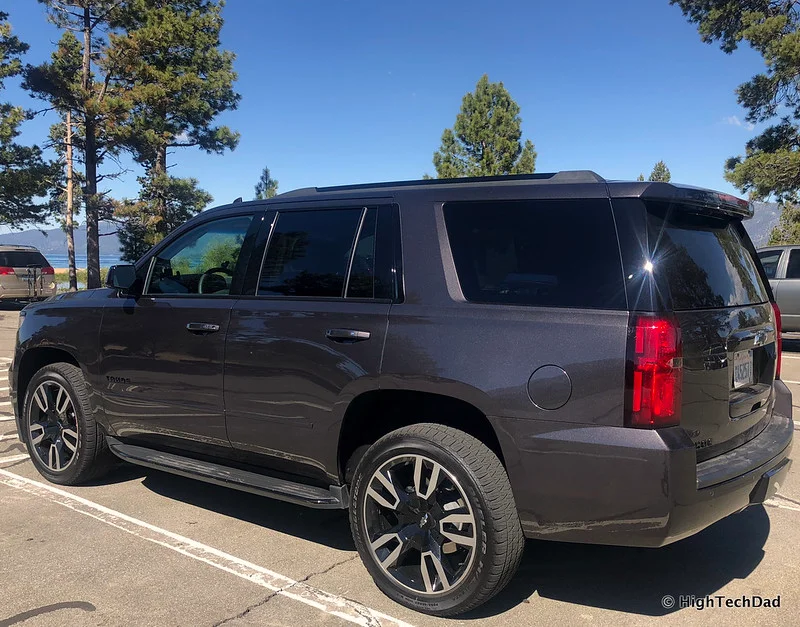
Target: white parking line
(13,458)
(784,380)
(786,356)
(6,417)
(324,601)
(8,437)
(774,503)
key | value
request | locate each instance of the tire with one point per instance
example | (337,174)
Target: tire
(479,547)
(67,447)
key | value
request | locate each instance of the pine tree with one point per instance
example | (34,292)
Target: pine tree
(96,94)
(660,173)
(24,174)
(267,187)
(485,140)
(770,166)
(181,80)
(787,231)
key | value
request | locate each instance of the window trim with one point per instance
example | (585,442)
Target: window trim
(356,237)
(241,264)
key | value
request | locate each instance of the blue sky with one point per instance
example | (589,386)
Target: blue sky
(337,92)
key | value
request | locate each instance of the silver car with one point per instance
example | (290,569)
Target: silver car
(782,266)
(25,274)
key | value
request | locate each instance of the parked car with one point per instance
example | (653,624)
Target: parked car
(25,275)
(782,267)
(461,363)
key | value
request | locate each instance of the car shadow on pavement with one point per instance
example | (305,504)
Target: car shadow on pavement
(632,580)
(328,527)
(636,580)
(6,305)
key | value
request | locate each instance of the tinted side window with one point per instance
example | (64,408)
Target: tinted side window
(309,253)
(769,259)
(556,253)
(202,261)
(793,267)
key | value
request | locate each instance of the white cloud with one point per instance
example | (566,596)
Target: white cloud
(734,120)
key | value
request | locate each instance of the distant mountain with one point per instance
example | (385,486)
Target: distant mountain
(761,224)
(54,241)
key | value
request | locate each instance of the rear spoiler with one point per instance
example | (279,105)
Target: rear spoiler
(703,200)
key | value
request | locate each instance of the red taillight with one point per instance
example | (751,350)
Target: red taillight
(5,270)
(48,270)
(654,356)
(778,340)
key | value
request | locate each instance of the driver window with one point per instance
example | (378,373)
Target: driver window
(202,261)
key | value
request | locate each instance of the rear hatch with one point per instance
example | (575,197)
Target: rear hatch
(704,266)
(24,270)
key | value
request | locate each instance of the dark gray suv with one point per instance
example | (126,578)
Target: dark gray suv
(461,363)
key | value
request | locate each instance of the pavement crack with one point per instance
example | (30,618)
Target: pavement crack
(325,570)
(275,593)
(250,608)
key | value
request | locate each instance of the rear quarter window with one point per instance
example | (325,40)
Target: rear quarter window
(551,253)
(704,259)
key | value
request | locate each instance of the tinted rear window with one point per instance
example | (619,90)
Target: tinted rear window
(22,259)
(555,253)
(704,259)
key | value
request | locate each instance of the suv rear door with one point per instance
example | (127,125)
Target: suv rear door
(308,333)
(787,289)
(702,267)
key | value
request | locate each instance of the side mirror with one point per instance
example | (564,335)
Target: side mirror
(121,277)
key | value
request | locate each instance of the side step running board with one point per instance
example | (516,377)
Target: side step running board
(336,497)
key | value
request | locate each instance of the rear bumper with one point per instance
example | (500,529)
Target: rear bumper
(629,487)
(23,294)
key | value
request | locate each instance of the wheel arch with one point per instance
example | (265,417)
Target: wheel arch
(374,413)
(33,360)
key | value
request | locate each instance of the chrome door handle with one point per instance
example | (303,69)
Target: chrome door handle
(347,335)
(202,327)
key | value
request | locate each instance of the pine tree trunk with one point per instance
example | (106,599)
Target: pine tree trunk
(92,239)
(68,217)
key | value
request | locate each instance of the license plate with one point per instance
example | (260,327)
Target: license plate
(742,368)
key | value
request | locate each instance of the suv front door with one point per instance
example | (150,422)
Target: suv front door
(162,353)
(309,337)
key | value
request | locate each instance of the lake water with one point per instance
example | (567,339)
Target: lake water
(60,261)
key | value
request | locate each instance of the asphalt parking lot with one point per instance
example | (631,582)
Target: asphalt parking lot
(142,547)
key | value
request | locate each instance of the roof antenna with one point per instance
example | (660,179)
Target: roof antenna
(237,200)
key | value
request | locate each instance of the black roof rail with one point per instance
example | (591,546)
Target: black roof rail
(566,176)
